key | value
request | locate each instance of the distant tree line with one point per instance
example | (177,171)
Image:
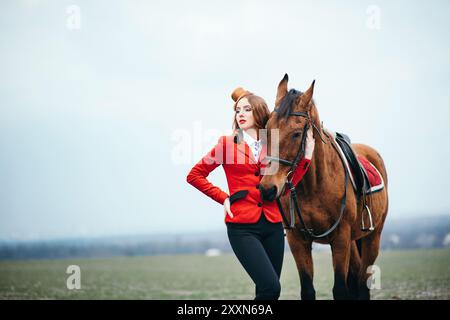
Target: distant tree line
(402,234)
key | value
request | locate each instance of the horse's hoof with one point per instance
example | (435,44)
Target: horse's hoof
(308,295)
(341,294)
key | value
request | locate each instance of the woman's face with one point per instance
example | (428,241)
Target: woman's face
(244,114)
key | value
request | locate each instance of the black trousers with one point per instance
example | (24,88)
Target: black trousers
(259,247)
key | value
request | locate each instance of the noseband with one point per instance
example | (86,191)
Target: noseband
(293,201)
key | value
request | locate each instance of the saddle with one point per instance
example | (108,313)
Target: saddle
(358,172)
(358,175)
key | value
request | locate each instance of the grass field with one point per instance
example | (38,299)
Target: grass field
(418,274)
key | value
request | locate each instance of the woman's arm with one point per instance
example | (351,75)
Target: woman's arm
(310,143)
(303,165)
(197,175)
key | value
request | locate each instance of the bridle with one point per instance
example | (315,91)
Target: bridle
(293,201)
(301,150)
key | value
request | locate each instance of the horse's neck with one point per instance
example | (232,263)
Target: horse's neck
(321,167)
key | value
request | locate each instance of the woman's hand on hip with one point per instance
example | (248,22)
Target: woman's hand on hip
(227,208)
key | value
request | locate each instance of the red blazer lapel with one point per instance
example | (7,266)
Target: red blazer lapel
(244,151)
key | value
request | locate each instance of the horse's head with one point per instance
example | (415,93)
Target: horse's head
(294,113)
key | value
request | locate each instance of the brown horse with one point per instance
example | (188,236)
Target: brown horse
(319,195)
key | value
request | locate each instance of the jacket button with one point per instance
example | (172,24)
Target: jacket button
(256,173)
(259,204)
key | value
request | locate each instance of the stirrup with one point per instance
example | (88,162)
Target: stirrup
(363,228)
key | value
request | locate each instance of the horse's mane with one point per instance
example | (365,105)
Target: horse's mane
(287,103)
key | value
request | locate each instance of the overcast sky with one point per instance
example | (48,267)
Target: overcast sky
(106,105)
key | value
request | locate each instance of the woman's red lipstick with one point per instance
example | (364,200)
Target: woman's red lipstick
(241,121)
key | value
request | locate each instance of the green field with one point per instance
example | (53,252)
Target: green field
(417,274)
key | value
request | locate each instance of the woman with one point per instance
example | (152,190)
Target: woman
(254,227)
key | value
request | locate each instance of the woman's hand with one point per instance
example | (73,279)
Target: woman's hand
(227,209)
(310,143)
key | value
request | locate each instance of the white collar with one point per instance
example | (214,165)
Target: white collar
(249,139)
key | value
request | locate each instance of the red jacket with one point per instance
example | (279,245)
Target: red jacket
(243,176)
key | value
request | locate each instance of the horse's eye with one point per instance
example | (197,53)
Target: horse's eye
(296,134)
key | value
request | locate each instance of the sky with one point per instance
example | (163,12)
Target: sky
(106,105)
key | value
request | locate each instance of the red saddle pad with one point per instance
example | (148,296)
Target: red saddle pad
(375,179)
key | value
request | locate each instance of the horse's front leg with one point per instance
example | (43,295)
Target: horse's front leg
(301,250)
(340,247)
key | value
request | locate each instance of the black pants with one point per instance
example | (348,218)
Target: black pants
(260,249)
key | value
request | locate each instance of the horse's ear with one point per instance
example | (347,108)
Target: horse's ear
(307,96)
(282,89)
